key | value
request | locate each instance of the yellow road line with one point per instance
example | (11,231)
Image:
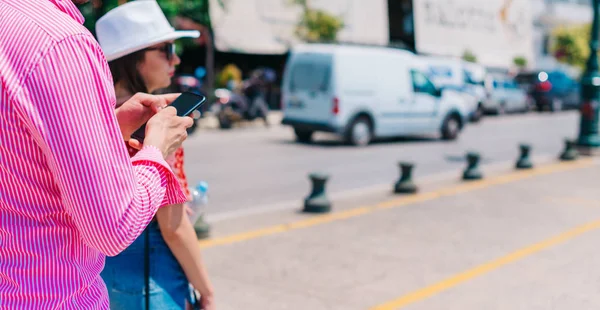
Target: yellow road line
(578,201)
(397,202)
(485,268)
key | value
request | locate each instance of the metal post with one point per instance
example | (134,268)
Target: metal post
(589,139)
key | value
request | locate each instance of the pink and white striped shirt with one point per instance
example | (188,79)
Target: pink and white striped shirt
(69,193)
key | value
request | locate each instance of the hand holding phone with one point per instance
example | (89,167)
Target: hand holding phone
(185,104)
(167,129)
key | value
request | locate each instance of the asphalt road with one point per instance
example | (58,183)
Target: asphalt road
(256,167)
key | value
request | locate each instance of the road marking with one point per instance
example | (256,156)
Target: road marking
(397,202)
(480,270)
(583,202)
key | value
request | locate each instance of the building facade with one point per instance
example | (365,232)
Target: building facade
(267,26)
(547,15)
(495,31)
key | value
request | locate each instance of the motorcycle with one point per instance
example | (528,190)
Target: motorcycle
(247,104)
(230,108)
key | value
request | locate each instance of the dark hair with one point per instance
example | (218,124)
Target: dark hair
(125,69)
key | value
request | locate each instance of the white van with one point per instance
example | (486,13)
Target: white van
(363,93)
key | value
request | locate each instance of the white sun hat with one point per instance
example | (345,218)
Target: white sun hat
(134,26)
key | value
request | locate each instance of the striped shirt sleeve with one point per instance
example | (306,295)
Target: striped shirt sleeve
(109,196)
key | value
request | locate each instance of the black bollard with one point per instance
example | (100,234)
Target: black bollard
(317,201)
(405,184)
(569,153)
(472,171)
(524,162)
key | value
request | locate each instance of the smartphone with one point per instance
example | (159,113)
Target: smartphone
(185,104)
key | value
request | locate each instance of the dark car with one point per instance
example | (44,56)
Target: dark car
(550,90)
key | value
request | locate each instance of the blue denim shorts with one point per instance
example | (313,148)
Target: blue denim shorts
(124,276)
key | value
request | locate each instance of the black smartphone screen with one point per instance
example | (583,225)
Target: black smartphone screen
(185,104)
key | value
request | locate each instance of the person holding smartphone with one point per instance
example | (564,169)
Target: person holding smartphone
(158,268)
(70,194)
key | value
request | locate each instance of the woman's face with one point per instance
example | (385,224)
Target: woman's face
(158,66)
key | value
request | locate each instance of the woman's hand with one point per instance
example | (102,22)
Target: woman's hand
(167,131)
(136,111)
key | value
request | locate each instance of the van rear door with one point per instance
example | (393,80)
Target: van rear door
(309,88)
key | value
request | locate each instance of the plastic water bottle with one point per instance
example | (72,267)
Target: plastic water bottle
(199,201)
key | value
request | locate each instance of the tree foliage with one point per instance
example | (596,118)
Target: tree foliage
(520,61)
(317,25)
(469,56)
(570,44)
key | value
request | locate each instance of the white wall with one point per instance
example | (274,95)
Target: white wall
(267,26)
(450,27)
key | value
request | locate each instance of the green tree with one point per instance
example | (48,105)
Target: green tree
(317,25)
(520,62)
(469,56)
(570,44)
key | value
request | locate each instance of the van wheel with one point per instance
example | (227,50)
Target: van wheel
(450,127)
(304,136)
(360,132)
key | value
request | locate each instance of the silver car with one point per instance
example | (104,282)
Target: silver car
(507,96)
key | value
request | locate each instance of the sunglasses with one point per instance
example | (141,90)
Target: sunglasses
(168,49)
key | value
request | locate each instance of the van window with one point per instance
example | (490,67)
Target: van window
(469,79)
(440,71)
(421,84)
(310,76)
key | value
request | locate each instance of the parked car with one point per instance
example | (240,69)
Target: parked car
(460,76)
(551,90)
(362,93)
(507,96)
(479,82)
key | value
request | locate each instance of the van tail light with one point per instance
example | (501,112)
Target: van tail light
(335,109)
(544,86)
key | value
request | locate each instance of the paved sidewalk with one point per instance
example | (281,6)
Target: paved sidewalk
(517,240)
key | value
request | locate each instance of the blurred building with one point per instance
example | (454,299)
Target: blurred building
(494,31)
(548,14)
(267,26)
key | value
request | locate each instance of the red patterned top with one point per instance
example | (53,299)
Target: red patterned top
(175,161)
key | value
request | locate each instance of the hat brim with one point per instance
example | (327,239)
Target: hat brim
(137,47)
